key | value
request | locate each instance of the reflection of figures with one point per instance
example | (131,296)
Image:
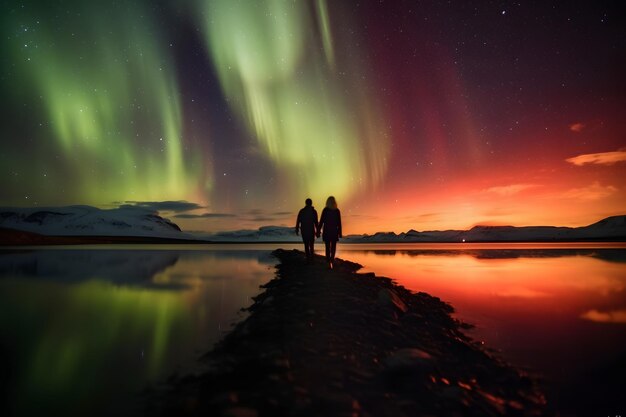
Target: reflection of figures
(330,222)
(307,224)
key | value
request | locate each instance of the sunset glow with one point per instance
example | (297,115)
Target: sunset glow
(437,116)
(558,310)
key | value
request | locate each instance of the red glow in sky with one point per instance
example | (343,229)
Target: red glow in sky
(430,115)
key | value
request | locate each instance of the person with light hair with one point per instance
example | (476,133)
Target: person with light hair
(330,228)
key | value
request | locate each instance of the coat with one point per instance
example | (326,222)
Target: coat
(307,222)
(331,224)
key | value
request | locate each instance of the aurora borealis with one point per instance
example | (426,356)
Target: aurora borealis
(285,90)
(102,91)
(418,115)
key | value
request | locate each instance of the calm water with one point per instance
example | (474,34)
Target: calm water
(83,330)
(559,313)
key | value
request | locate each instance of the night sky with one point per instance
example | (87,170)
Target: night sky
(423,115)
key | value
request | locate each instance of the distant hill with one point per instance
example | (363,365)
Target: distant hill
(609,229)
(35,225)
(262,234)
(86,225)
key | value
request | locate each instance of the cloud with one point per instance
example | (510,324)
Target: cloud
(428,216)
(499,212)
(261,219)
(577,127)
(420,218)
(204,216)
(603,158)
(260,215)
(615,316)
(595,191)
(519,292)
(506,190)
(365,216)
(175,206)
(254,215)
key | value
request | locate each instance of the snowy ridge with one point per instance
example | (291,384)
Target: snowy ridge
(127,221)
(263,234)
(90,221)
(611,228)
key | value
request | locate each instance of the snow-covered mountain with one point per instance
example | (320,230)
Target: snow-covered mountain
(611,228)
(90,221)
(129,221)
(263,234)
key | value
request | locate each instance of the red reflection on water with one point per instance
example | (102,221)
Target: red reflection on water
(543,310)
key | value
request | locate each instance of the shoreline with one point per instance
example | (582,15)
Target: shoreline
(337,343)
(18,238)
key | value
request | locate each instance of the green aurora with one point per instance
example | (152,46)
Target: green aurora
(103,85)
(425,116)
(276,63)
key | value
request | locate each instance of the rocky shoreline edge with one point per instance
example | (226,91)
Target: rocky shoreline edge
(320,342)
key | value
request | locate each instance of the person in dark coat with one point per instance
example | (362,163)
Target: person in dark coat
(330,226)
(307,224)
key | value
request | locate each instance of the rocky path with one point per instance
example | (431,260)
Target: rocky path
(322,342)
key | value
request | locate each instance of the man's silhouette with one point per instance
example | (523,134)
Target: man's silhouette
(307,225)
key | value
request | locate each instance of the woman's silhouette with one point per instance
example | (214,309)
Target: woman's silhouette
(330,225)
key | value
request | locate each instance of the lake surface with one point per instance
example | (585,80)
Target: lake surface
(559,313)
(83,330)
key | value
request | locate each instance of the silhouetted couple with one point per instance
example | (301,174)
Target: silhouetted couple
(329,227)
